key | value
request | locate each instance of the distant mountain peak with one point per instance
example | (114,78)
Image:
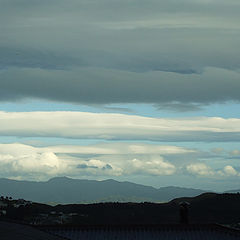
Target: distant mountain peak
(57,179)
(110,180)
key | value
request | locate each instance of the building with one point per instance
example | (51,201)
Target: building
(145,232)
(14,231)
(3,204)
(10,231)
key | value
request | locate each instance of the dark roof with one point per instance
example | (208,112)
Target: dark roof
(14,231)
(143,232)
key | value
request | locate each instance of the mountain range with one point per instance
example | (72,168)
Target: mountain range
(65,190)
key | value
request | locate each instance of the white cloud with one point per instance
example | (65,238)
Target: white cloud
(46,164)
(200,169)
(235,152)
(110,148)
(153,166)
(117,126)
(230,171)
(121,148)
(218,150)
(112,160)
(104,159)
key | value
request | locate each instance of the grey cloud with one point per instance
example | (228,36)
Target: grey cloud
(31,58)
(237,157)
(129,9)
(99,86)
(107,167)
(85,166)
(180,107)
(106,56)
(184,51)
(116,109)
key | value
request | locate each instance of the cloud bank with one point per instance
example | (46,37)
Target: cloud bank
(23,161)
(96,160)
(83,125)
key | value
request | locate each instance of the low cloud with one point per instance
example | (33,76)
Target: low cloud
(218,150)
(200,169)
(203,170)
(235,152)
(106,160)
(229,170)
(44,162)
(155,166)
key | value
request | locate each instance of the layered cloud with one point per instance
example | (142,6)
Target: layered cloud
(179,54)
(99,149)
(83,125)
(104,86)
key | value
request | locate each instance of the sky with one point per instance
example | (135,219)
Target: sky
(145,91)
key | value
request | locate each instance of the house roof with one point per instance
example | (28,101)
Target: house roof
(143,232)
(12,231)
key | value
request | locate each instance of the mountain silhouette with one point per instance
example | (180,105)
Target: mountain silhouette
(66,190)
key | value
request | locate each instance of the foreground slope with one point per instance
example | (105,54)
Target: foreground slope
(205,208)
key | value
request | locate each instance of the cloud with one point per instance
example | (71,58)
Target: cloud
(105,160)
(83,125)
(200,169)
(229,170)
(44,162)
(118,148)
(121,148)
(105,86)
(154,166)
(175,55)
(97,167)
(218,150)
(179,107)
(235,152)
(203,170)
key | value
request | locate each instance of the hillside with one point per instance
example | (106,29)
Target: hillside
(205,208)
